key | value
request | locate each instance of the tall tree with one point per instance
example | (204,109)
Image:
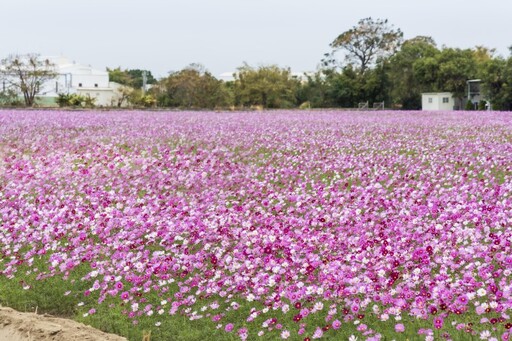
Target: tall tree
(456,67)
(496,75)
(193,87)
(120,76)
(269,86)
(483,54)
(314,91)
(344,88)
(27,74)
(405,66)
(138,77)
(426,72)
(367,41)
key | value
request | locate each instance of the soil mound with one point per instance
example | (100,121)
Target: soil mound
(17,326)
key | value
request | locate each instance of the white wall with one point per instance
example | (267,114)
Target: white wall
(104,97)
(83,76)
(437,101)
(89,81)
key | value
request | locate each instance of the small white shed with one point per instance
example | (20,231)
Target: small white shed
(433,101)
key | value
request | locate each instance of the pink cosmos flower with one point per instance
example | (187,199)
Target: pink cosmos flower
(462,299)
(318,333)
(399,328)
(438,322)
(243,333)
(310,204)
(336,324)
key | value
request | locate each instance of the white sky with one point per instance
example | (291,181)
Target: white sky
(167,35)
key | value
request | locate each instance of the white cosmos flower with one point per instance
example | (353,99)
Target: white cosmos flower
(485,335)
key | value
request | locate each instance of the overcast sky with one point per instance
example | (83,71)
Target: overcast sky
(167,35)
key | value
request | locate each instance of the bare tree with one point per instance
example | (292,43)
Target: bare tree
(26,74)
(367,41)
(123,94)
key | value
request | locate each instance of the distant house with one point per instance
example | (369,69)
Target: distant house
(80,79)
(227,76)
(432,101)
(474,92)
(436,101)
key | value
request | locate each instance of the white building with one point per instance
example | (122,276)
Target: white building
(435,101)
(81,79)
(227,76)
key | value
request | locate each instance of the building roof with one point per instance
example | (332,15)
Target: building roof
(437,93)
(65,65)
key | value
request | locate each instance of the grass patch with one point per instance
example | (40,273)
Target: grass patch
(25,293)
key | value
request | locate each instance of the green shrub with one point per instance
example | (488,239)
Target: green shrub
(75,100)
(10,98)
(305,105)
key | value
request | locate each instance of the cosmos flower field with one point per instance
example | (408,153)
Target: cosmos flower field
(273,225)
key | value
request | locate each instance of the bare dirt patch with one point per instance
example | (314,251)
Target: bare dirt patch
(17,326)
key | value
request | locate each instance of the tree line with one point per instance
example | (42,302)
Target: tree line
(371,62)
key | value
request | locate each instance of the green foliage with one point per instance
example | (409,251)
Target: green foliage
(344,89)
(123,94)
(482,105)
(446,70)
(119,76)
(426,71)
(348,87)
(10,98)
(376,84)
(75,100)
(410,72)
(483,54)
(193,87)
(130,77)
(305,105)
(138,99)
(399,72)
(496,75)
(397,75)
(137,77)
(312,91)
(455,67)
(267,86)
(469,106)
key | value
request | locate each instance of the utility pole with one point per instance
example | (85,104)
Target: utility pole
(144,81)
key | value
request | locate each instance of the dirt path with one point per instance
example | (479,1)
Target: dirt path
(16,326)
